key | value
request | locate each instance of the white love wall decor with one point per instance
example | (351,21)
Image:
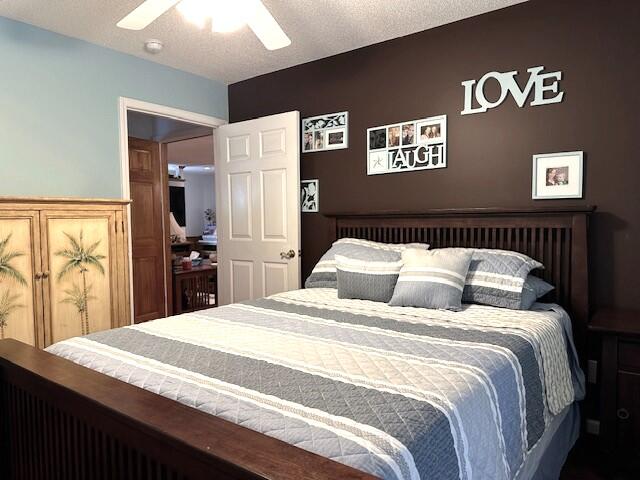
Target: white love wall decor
(538,82)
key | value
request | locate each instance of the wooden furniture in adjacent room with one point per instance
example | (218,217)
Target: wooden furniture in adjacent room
(64,268)
(619,382)
(149,230)
(92,410)
(182,249)
(195,289)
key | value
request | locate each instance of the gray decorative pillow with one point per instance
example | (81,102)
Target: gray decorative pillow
(324,272)
(366,280)
(533,289)
(496,277)
(431,279)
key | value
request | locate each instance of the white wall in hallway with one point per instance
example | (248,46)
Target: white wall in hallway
(199,195)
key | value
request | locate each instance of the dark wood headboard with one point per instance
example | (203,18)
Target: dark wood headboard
(556,237)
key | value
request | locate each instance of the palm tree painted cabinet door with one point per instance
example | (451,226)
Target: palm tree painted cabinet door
(80,274)
(20,296)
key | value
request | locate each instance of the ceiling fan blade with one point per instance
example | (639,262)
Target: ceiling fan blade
(265,26)
(146,13)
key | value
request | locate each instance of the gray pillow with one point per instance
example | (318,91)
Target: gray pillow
(324,272)
(431,279)
(533,289)
(366,280)
(496,277)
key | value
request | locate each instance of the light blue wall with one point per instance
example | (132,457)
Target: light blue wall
(59,110)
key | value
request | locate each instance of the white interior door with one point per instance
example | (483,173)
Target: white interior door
(258,207)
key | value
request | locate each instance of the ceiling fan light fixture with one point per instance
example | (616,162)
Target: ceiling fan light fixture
(225,16)
(228,16)
(195,12)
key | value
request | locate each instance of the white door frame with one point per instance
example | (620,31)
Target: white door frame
(125,104)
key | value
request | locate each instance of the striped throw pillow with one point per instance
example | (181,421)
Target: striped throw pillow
(533,289)
(366,280)
(431,279)
(496,277)
(324,272)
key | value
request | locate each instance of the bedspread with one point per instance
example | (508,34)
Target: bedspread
(397,392)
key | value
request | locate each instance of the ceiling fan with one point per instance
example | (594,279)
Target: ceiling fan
(225,16)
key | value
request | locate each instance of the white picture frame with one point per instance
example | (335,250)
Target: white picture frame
(411,153)
(319,130)
(439,126)
(557,175)
(335,138)
(310,196)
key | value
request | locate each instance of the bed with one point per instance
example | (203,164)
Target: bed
(305,385)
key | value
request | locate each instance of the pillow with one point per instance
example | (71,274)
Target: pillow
(496,277)
(431,279)
(324,272)
(533,289)
(366,280)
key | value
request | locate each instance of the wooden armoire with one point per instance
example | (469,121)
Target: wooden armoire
(64,268)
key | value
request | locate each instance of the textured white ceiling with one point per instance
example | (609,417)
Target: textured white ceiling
(317,28)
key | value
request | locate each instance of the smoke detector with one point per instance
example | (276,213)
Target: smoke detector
(153,46)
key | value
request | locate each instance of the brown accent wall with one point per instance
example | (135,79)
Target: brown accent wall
(595,43)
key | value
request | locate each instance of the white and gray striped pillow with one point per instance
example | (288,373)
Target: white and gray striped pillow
(496,277)
(431,279)
(366,280)
(324,272)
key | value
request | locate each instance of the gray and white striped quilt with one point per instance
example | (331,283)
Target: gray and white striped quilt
(402,393)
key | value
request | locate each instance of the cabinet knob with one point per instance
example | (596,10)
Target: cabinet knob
(38,275)
(623,414)
(45,274)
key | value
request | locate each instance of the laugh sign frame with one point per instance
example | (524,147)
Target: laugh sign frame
(407,146)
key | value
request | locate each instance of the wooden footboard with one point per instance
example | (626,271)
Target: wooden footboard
(63,421)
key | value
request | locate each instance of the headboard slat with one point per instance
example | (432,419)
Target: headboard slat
(557,237)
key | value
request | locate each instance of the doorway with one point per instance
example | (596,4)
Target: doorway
(169,173)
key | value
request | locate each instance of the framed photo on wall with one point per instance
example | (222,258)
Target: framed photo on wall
(431,130)
(407,146)
(325,132)
(310,195)
(336,138)
(557,175)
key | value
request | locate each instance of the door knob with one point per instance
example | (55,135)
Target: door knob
(623,414)
(287,255)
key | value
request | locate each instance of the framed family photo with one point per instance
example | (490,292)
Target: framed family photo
(557,175)
(407,146)
(325,132)
(431,131)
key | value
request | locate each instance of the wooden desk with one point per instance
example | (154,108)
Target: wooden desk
(195,289)
(181,249)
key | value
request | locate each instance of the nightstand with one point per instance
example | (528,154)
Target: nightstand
(619,381)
